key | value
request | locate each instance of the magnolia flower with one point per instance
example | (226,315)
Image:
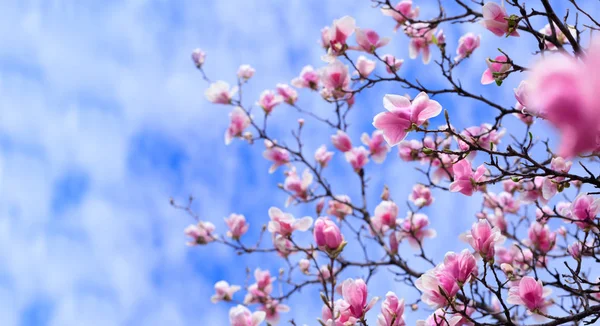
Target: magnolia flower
(341,141)
(262,288)
(385,216)
(237,226)
(338,34)
(466,45)
(296,185)
(322,156)
(440,318)
(392,63)
(564,92)
(575,250)
(241,316)
(338,207)
(358,157)
(198,57)
(483,238)
(219,92)
(529,293)
(273,308)
(238,122)
(410,150)
(462,267)
(285,223)
(277,155)
(354,293)
(401,12)
(378,148)
(522,93)
(327,234)
(309,78)
(465,180)
(335,78)
(364,67)
(269,100)
(584,209)
(245,72)
(497,21)
(392,311)
(560,36)
(414,229)
(368,40)
(496,70)
(437,286)
(421,195)
(304,263)
(200,233)
(403,114)
(289,95)
(224,291)
(421,36)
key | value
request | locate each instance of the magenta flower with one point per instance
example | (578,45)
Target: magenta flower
(497,21)
(460,266)
(341,141)
(585,209)
(522,93)
(466,45)
(338,34)
(269,100)
(385,216)
(436,285)
(483,238)
(335,78)
(327,234)
(496,70)
(277,155)
(368,40)
(354,293)
(529,293)
(392,311)
(288,94)
(440,318)
(378,148)
(465,180)
(402,11)
(393,64)
(403,114)
(421,195)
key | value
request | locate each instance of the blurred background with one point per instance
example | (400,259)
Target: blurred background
(103,119)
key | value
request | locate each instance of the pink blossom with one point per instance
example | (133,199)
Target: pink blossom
(498,220)
(421,195)
(219,92)
(393,64)
(421,36)
(484,136)
(377,146)
(440,318)
(338,34)
(436,285)
(327,234)
(560,36)
(510,185)
(394,242)
(304,264)
(322,156)
(285,223)
(277,155)
(309,78)
(237,226)
(522,93)
(241,316)
(575,250)
(401,12)
(335,78)
(529,293)
(564,92)
(465,180)
(496,71)
(296,185)
(269,100)
(354,293)
(358,157)
(287,93)
(238,122)
(532,190)
(224,291)
(343,314)
(338,208)
(273,308)
(483,238)
(200,233)
(440,38)
(551,184)
(403,114)
(392,311)
(385,216)
(497,21)
(444,164)
(283,245)
(325,39)
(414,228)
(541,237)
(585,209)
(368,40)
(524,117)
(460,266)
(198,57)
(262,288)
(341,141)
(410,150)
(324,273)
(245,72)
(466,45)
(364,67)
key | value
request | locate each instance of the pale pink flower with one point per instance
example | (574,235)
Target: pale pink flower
(245,72)
(327,234)
(462,267)
(485,136)
(200,233)
(335,78)
(277,155)
(524,117)
(364,67)
(341,141)
(238,122)
(377,146)
(325,39)
(410,150)
(393,64)
(529,293)
(496,71)
(510,185)
(584,209)
(497,21)
(338,34)
(421,36)
(403,114)
(436,285)
(322,156)
(385,216)
(466,45)
(414,229)
(483,238)
(421,195)
(219,92)
(465,179)
(550,185)
(343,314)
(285,223)
(358,157)
(532,190)
(541,238)
(296,185)
(198,57)
(440,38)
(368,40)
(338,207)
(560,36)
(237,226)
(324,273)
(354,293)
(283,245)
(392,311)
(564,92)
(241,316)
(224,291)
(262,288)
(269,100)
(304,265)
(401,12)
(440,318)
(273,308)
(444,164)
(288,94)
(309,78)
(575,250)
(522,93)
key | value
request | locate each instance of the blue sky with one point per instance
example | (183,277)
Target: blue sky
(103,119)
